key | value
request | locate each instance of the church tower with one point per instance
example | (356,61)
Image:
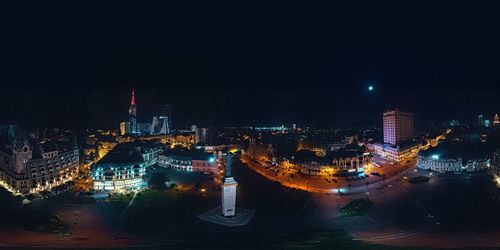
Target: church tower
(132,115)
(21,154)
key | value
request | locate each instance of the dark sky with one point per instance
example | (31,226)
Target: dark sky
(68,64)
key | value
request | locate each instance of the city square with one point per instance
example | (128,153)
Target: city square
(212,125)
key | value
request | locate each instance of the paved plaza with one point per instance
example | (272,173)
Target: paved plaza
(241,218)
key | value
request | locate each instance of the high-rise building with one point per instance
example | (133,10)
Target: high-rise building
(144,128)
(229,190)
(132,115)
(165,127)
(155,126)
(196,131)
(167,118)
(123,128)
(203,134)
(487,123)
(480,120)
(398,126)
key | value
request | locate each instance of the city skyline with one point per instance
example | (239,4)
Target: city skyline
(303,67)
(240,125)
(104,108)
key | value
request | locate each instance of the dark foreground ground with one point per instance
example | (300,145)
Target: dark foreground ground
(444,212)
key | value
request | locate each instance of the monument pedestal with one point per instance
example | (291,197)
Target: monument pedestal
(229,197)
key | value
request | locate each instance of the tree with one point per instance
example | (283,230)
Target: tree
(157,181)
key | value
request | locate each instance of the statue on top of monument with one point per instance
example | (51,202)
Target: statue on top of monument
(229,161)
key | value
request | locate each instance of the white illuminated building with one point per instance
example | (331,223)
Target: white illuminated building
(455,157)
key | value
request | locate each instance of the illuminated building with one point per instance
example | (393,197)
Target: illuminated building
(454,123)
(121,169)
(149,150)
(487,123)
(399,153)
(398,132)
(132,114)
(200,134)
(398,126)
(167,119)
(455,157)
(480,120)
(144,128)
(496,120)
(123,128)
(260,152)
(105,146)
(155,126)
(189,160)
(196,133)
(28,167)
(334,163)
(229,186)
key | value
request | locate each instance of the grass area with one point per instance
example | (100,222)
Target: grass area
(419,179)
(356,207)
(43,222)
(120,201)
(170,205)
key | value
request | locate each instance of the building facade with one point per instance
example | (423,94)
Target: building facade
(27,167)
(190,161)
(339,163)
(122,169)
(393,153)
(455,157)
(398,127)
(260,152)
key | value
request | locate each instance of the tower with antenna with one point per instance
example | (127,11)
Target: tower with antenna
(132,114)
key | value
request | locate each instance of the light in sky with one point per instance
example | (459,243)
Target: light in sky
(370,87)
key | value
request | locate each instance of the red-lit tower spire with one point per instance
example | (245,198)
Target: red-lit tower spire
(132,114)
(132,102)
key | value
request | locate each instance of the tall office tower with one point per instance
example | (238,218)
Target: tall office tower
(496,120)
(480,120)
(123,128)
(132,115)
(203,135)
(398,126)
(196,133)
(229,190)
(167,116)
(165,127)
(155,125)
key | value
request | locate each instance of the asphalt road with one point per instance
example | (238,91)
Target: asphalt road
(450,211)
(445,212)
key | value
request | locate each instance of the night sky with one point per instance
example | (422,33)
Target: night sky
(73,65)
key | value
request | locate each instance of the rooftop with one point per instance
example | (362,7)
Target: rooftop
(193,154)
(464,150)
(122,154)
